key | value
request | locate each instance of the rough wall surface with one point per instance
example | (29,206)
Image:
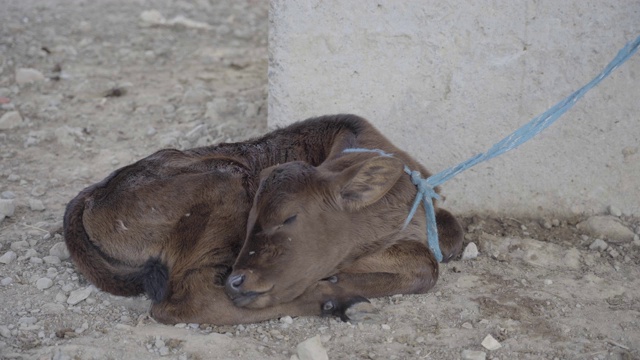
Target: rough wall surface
(446,80)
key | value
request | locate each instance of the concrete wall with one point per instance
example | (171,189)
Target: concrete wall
(447,79)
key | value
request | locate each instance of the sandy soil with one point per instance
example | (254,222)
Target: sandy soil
(113,87)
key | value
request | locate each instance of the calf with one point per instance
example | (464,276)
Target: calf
(338,227)
(172,224)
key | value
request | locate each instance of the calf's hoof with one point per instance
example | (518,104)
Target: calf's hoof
(356,309)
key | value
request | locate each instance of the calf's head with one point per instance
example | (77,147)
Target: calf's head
(302,224)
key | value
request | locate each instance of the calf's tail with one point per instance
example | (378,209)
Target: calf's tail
(110,274)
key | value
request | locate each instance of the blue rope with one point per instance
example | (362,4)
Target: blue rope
(426,192)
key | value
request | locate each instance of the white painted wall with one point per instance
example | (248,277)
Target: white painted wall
(447,79)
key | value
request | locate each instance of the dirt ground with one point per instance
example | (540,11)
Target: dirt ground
(115,83)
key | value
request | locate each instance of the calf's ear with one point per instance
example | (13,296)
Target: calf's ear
(365,183)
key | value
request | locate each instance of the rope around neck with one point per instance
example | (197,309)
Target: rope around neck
(426,192)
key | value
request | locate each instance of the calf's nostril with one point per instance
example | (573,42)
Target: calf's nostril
(235,281)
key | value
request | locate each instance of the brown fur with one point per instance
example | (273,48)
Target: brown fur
(342,221)
(171,225)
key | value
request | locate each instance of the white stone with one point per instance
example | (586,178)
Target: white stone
(60,250)
(287,319)
(8,257)
(614,211)
(599,245)
(36,205)
(473,355)
(79,295)
(6,281)
(152,18)
(52,308)
(19,245)
(608,227)
(44,283)
(7,207)
(542,254)
(51,259)
(312,349)
(5,332)
(548,282)
(470,252)
(490,343)
(28,75)
(30,253)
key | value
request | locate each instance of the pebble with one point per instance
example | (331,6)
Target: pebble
(10,120)
(5,332)
(470,252)
(8,257)
(7,207)
(44,283)
(35,260)
(312,349)
(38,190)
(8,195)
(60,297)
(473,355)
(287,320)
(467,325)
(36,205)
(79,295)
(386,327)
(548,282)
(614,211)
(30,253)
(606,226)
(52,308)
(60,250)
(28,75)
(51,260)
(27,320)
(6,281)
(19,245)
(599,245)
(490,343)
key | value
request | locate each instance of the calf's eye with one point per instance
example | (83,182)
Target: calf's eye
(290,220)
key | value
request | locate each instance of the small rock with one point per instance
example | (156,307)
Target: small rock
(36,205)
(613,252)
(8,195)
(27,320)
(60,250)
(6,281)
(30,253)
(7,207)
(35,260)
(548,281)
(467,326)
(38,190)
(19,245)
(8,257)
(386,327)
(555,222)
(470,252)
(44,283)
(599,245)
(10,120)
(490,343)
(164,351)
(79,295)
(473,355)
(51,260)
(5,332)
(608,227)
(28,75)
(312,349)
(152,18)
(287,319)
(614,211)
(52,308)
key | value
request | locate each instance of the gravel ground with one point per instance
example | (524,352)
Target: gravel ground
(89,86)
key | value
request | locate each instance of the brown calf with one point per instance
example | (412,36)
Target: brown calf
(172,224)
(339,227)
